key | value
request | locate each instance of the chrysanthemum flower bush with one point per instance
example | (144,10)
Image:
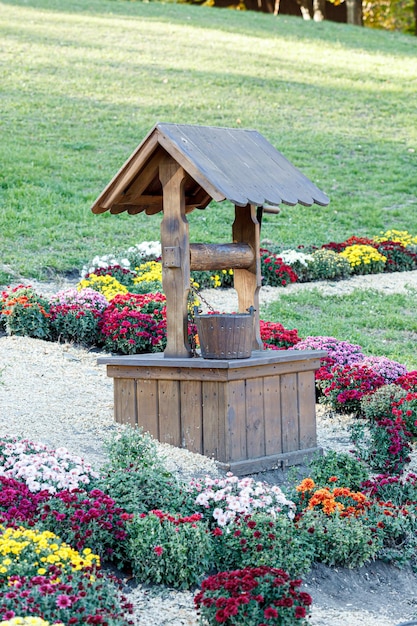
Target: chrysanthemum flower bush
(263,539)
(87,596)
(171,549)
(43,468)
(254,595)
(134,323)
(27,621)
(75,315)
(222,500)
(24,312)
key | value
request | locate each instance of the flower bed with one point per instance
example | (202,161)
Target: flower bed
(60,518)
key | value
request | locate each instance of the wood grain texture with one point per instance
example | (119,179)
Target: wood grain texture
(147,403)
(175,280)
(169,417)
(247,282)
(125,406)
(232,164)
(191,415)
(289,411)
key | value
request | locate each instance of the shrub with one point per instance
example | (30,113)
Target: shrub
(134,324)
(254,595)
(43,468)
(390,370)
(395,489)
(142,252)
(331,500)
(276,337)
(299,262)
(131,446)
(350,471)
(86,598)
(19,505)
(27,621)
(345,541)
(275,273)
(379,403)
(406,408)
(29,552)
(384,444)
(399,258)
(408,381)
(140,488)
(135,476)
(364,259)
(122,275)
(328,265)
(104,284)
(25,312)
(75,315)
(338,353)
(148,278)
(349,383)
(168,549)
(262,539)
(396,527)
(401,236)
(104,263)
(87,520)
(222,500)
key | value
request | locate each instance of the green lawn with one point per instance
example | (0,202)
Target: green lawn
(384,325)
(83,82)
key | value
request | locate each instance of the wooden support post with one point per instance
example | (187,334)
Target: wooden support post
(175,258)
(247,282)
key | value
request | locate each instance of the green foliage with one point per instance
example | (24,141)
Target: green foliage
(399,258)
(170,550)
(383,444)
(131,446)
(141,487)
(349,471)
(378,404)
(337,540)
(263,539)
(328,265)
(136,477)
(396,526)
(390,15)
(25,312)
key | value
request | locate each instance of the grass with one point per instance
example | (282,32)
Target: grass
(86,81)
(384,325)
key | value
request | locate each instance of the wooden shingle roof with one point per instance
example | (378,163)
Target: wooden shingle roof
(221,164)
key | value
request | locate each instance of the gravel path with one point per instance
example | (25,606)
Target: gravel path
(58,394)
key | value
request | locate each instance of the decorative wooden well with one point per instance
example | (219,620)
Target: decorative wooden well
(249,414)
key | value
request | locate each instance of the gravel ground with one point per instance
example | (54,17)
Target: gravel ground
(58,394)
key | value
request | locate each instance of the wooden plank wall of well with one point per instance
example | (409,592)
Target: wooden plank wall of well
(230,420)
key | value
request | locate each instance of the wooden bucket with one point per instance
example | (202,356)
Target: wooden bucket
(225,335)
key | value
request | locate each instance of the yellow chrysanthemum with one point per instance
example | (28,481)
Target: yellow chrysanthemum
(149,272)
(362,255)
(19,545)
(400,236)
(107,285)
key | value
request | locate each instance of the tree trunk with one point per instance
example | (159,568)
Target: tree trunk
(354,12)
(319,10)
(305,9)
